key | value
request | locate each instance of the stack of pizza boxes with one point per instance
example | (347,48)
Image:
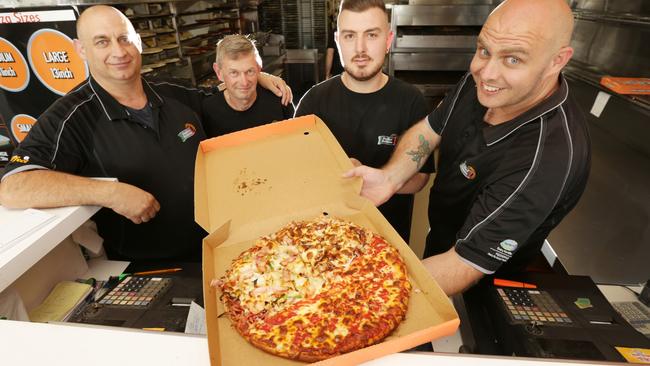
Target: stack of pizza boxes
(251,183)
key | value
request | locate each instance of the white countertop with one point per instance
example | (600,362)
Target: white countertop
(72,344)
(20,257)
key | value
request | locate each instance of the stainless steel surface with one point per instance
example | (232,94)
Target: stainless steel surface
(607,235)
(637,7)
(612,36)
(430,61)
(414,41)
(453,2)
(302,22)
(619,50)
(417,15)
(435,36)
(592,75)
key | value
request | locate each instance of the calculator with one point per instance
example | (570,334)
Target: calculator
(524,306)
(636,314)
(136,292)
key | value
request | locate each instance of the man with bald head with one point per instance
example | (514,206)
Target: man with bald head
(514,152)
(116,124)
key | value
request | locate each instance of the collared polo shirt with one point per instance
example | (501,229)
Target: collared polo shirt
(88,133)
(500,189)
(368,125)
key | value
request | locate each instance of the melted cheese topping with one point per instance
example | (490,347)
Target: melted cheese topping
(314,284)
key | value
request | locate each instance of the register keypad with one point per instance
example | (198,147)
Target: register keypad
(525,305)
(136,292)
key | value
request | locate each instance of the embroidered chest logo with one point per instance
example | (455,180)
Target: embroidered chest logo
(467,170)
(188,132)
(387,140)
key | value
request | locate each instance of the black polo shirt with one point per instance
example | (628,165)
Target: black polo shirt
(368,125)
(500,189)
(88,133)
(221,118)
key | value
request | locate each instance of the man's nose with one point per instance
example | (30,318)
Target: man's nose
(360,45)
(117,49)
(243,79)
(490,69)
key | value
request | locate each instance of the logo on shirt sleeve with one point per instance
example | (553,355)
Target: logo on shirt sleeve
(509,245)
(19,159)
(387,140)
(188,132)
(467,170)
(504,251)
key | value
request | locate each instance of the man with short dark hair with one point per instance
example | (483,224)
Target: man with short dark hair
(365,109)
(514,151)
(242,103)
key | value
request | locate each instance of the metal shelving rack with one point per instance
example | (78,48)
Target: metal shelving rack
(179,36)
(302,22)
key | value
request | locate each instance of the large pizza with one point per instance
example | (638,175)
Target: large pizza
(316,289)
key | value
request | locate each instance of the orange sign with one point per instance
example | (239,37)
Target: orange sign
(54,61)
(14,74)
(21,124)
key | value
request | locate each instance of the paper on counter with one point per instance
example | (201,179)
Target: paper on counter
(87,236)
(60,303)
(195,320)
(101,269)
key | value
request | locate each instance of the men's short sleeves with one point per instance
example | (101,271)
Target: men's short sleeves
(501,188)
(521,194)
(55,142)
(439,117)
(88,133)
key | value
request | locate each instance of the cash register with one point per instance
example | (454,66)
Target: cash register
(557,316)
(156,301)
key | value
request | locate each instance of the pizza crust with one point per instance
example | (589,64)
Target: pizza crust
(316,289)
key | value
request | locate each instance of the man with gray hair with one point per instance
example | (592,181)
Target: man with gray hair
(117,124)
(242,103)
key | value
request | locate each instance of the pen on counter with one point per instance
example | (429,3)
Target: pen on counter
(157,271)
(508,283)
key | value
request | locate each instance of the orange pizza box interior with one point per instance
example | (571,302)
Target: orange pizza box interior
(251,183)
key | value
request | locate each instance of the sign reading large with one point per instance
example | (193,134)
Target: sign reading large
(54,61)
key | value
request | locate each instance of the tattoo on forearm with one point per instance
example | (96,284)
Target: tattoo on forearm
(421,153)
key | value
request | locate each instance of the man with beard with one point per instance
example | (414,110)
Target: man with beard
(366,109)
(514,151)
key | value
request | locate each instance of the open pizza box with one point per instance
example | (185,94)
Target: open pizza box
(251,183)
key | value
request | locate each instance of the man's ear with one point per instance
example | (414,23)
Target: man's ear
(217,71)
(79,48)
(389,40)
(561,58)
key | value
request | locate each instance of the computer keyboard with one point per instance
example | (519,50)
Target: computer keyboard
(636,314)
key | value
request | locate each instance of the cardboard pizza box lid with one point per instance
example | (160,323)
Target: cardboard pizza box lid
(296,162)
(267,176)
